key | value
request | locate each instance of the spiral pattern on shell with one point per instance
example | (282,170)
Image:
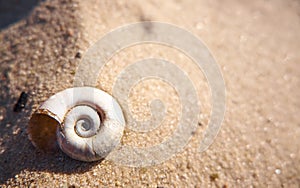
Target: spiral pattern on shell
(85,122)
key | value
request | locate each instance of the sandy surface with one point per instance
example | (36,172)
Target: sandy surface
(256,44)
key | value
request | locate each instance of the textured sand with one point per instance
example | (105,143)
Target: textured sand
(256,44)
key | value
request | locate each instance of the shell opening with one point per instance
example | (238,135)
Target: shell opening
(42,131)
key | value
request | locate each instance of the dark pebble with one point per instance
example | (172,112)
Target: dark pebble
(21,102)
(78,55)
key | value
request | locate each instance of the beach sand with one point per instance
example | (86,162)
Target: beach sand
(256,45)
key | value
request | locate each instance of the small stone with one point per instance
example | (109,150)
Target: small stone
(78,55)
(278,171)
(21,103)
(70,32)
(213,177)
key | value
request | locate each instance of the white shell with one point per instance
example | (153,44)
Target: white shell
(87,123)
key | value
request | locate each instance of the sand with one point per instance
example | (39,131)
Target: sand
(256,45)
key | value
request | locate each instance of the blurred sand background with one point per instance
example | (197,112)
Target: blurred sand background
(256,44)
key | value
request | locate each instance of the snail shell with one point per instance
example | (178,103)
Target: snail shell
(85,122)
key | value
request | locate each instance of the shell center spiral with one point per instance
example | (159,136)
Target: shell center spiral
(83,124)
(84,120)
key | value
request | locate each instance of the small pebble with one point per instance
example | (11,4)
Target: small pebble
(278,171)
(213,177)
(78,55)
(21,102)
